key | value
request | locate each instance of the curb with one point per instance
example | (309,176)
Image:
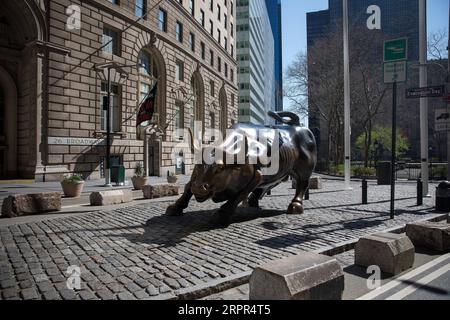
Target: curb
(220,285)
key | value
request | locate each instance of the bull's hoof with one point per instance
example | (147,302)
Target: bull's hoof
(174,211)
(296,208)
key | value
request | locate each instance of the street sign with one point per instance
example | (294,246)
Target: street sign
(442,120)
(396,50)
(427,92)
(395,72)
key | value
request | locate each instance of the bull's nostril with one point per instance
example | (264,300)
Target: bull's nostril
(205,186)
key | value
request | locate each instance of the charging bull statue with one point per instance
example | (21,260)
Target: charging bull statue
(296,152)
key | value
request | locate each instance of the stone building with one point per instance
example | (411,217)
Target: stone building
(52,82)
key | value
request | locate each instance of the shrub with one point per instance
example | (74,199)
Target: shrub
(73,178)
(363,171)
(139,170)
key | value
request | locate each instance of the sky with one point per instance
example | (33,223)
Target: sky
(294,22)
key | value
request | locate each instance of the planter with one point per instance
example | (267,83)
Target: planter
(72,189)
(173,179)
(139,182)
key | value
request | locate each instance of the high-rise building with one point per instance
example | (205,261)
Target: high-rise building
(275,16)
(52,119)
(399,19)
(255,56)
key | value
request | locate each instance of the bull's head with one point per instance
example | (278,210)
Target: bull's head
(217,173)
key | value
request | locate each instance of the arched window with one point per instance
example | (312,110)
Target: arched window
(148,77)
(197,92)
(223,106)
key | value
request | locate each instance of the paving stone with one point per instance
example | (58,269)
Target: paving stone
(125,296)
(29,294)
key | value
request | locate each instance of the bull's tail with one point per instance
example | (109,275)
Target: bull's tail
(285,117)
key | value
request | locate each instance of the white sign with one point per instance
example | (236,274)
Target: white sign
(442,120)
(67,141)
(395,71)
(374,21)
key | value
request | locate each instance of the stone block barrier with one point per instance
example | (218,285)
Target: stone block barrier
(31,204)
(160,191)
(430,235)
(108,198)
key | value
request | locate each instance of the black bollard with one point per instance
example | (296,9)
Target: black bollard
(307,194)
(419,192)
(364,191)
(269,193)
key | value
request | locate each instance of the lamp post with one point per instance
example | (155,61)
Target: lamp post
(423,101)
(105,73)
(347,116)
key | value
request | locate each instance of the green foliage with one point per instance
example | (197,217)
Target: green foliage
(439,172)
(364,172)
(139,170)
(73,178)
(384,137)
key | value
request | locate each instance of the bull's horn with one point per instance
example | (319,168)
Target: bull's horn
(195,146)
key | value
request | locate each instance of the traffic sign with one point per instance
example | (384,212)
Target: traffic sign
(442,120)
(396,50)
(427,92)
(395,72)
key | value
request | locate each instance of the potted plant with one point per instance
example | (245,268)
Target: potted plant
(139,179)
(172,177)
(72,185)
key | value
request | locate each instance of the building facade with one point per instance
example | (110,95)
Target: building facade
(275,16)
(255,56)
(53,80)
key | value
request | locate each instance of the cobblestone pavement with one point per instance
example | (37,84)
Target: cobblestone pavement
(138,253)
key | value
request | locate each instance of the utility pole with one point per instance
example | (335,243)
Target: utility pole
(347,116)
(423,101)
(448,132)
(108,134)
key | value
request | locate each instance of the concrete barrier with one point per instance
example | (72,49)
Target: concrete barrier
(315,183)
(30,204)
(393,253)
(307,276)
(107,198)
(430,235)
(160,191)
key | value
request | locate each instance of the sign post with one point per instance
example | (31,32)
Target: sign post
(394,71)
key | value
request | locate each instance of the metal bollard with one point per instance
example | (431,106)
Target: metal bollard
(307,194)
(364,191)
(419,192)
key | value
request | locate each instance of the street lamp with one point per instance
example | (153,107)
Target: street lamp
(107,72)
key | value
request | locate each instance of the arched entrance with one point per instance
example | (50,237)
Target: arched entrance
(22,33)
(8,125)
(152,71)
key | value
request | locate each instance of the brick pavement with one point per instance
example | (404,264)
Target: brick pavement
(138,253)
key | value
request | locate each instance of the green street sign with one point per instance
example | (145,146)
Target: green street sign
(396,50)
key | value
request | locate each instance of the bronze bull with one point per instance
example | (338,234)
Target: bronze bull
(234,183)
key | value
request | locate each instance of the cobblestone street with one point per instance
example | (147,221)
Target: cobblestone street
(139,253)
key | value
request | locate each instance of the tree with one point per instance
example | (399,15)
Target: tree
(383,136)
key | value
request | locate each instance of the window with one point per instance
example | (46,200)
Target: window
(110,41)
(179,32)
(192,7)
(179,116)
(148,75)
(211,5)
(162,20)
(218,36)
(202,49)
(114,108)
(2,112)
(231,8)
(232,29)
(225,43)
(211,28)
(192,41)
(202,17)
(218,13)
(211,58)
(219,64)
(140,8)
(179,70)
(116,2)
(232,50)
(225,21)
(226,71)
(232,75)
(212,88)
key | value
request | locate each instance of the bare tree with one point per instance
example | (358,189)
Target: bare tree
(437,44)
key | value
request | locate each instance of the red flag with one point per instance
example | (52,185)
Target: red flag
(147,108)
